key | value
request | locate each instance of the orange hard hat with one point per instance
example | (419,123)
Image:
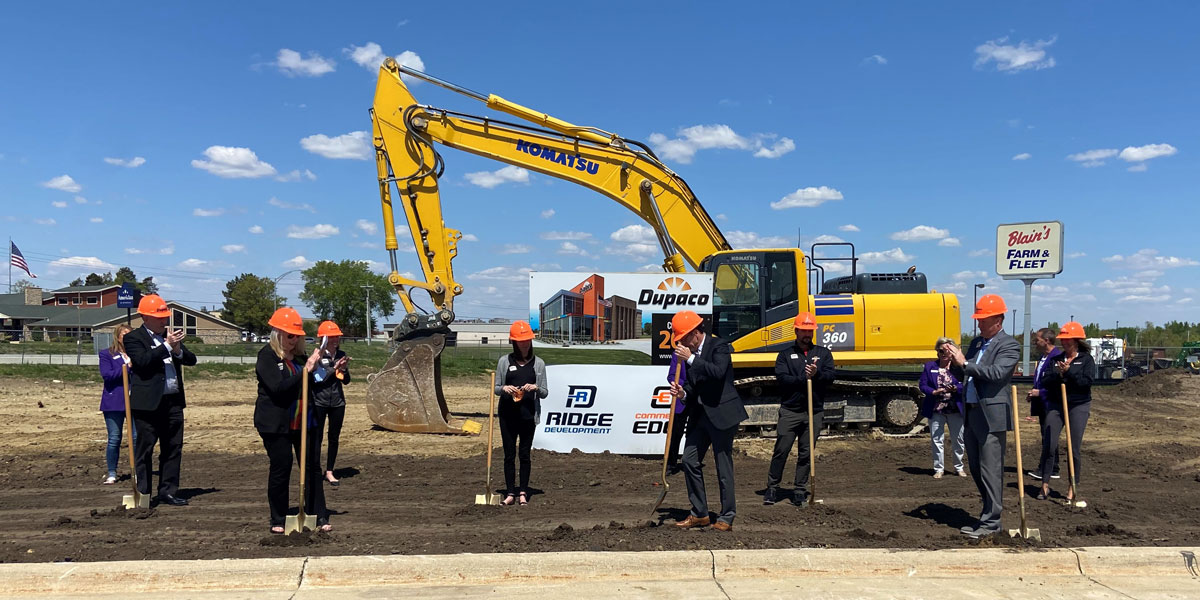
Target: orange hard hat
(1072,331)
(153,306)
(287,320)
(989,305)
(328,328)
(805,320)
(520,331)
(683,323)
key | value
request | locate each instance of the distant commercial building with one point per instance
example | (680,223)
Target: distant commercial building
(582,313)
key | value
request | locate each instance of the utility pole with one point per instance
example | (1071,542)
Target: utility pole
(974,323)
(1014,326)
(368,328)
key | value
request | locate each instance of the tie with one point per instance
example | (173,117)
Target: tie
(972,393)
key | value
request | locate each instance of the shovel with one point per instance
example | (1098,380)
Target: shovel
(136,499)
(812,449)
(301,521)
(1024,531)
(667,449)
(487,497)
(1074,501)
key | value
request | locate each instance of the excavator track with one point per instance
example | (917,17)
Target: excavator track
(888,407)
(406,395)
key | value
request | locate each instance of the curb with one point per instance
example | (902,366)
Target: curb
(150,576)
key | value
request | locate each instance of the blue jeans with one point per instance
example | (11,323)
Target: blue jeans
(114,420)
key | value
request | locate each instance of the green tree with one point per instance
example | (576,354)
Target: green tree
(75,282)
(126,275)
(334,291)
(147,286)
(249,301)
(21,284)
(98,279)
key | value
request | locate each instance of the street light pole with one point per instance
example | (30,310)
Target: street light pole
(275,291)
(368,327)
(974,323)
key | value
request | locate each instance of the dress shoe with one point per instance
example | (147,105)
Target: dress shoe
(722,526)
(693,521)
(172,500)
(965,529)
(800,499)
(769,497)
(982,532)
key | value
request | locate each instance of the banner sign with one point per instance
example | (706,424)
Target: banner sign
(127,296)
(584,307)
(596,408)
(1029,250)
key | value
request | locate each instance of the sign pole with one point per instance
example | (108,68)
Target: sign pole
(1028,325)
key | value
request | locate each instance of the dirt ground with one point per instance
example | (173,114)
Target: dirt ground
(414,494)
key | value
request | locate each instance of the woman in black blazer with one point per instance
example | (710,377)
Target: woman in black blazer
(277,418)
(1075,369)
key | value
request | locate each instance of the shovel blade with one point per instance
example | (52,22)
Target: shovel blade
(1029,534)
(299,522)
(661,496)
(487,499)
(131,501)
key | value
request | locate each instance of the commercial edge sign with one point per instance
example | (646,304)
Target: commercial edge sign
(1029,250)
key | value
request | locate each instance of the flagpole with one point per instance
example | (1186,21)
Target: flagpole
(10,264)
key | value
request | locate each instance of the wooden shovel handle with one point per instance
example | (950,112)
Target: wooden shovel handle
(129,425)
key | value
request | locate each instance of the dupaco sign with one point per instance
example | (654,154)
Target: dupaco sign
(596,408)
(1029,250)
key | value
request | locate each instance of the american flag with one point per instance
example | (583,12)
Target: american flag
(18,261)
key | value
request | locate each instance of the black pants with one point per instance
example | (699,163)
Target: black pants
(677,432)
(516,434)
(280,447)
(1078,414)
(793,426)
(1042,428)
(336,416)
(164,426)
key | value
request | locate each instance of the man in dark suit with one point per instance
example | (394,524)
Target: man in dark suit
(156,396)
(716,409)
(987,370)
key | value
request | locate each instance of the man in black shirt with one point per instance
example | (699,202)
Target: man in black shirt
(793,367)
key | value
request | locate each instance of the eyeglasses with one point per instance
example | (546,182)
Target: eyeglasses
(291,336)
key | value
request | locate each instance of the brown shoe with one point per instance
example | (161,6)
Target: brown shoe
(722,526)
(692,521)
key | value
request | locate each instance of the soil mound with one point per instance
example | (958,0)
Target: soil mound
(1158,384)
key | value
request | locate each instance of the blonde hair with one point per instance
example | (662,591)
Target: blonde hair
(277,344)
(117,344)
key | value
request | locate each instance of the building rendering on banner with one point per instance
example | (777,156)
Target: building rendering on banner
(582,314)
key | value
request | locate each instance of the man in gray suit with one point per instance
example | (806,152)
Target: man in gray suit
(715,411)
(987,370)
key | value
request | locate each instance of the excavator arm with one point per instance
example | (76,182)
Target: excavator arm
(406,135)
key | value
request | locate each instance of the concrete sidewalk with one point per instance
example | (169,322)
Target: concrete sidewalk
(1143,573)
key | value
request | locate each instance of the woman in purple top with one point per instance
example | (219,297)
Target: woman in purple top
(112,399)
(943,406)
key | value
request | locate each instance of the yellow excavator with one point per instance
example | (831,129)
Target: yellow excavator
(865,318)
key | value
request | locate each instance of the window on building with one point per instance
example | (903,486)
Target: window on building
(93,300)
(63,301)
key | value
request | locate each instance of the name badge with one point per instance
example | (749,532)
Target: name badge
(795,356)
(512,367)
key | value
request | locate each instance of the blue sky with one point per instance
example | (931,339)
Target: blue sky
(198,142)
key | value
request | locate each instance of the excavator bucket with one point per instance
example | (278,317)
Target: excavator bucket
(406,395)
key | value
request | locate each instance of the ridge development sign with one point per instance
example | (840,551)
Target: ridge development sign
(1029,250)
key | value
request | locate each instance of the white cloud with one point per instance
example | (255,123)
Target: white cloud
(296,175)
(1093,158)
(1014,59)
(722,217)
(290,63)
(650,268)
(204,212)
(807,198)
(132,163)
(298,262)
(692,139)
(80,200)
(516,249)
(965,275)
(1023,156)
(827,239)
(501,274)
(96,219)
(232,248)
(981,252)
(777,149)
(81,263)
(549,212)
(164,251)
(1148,259)
(192,263)
(45,221)
(848,227)
(370,56)
(1183,301)
(491,179)
(750,239)
(950,242)
(315,232)
(920,233)
(570,248)
(1147,152)
(1077,255)
(354,145)
(875,59)
(134,251)
(255,229)
(565,235)
(1153,299)
(63,183)
(1138,168)
(635,241)
(276,202)
(58,204)
(470,237)
(368,245)
(895,255)
(367,227)
(233,162)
